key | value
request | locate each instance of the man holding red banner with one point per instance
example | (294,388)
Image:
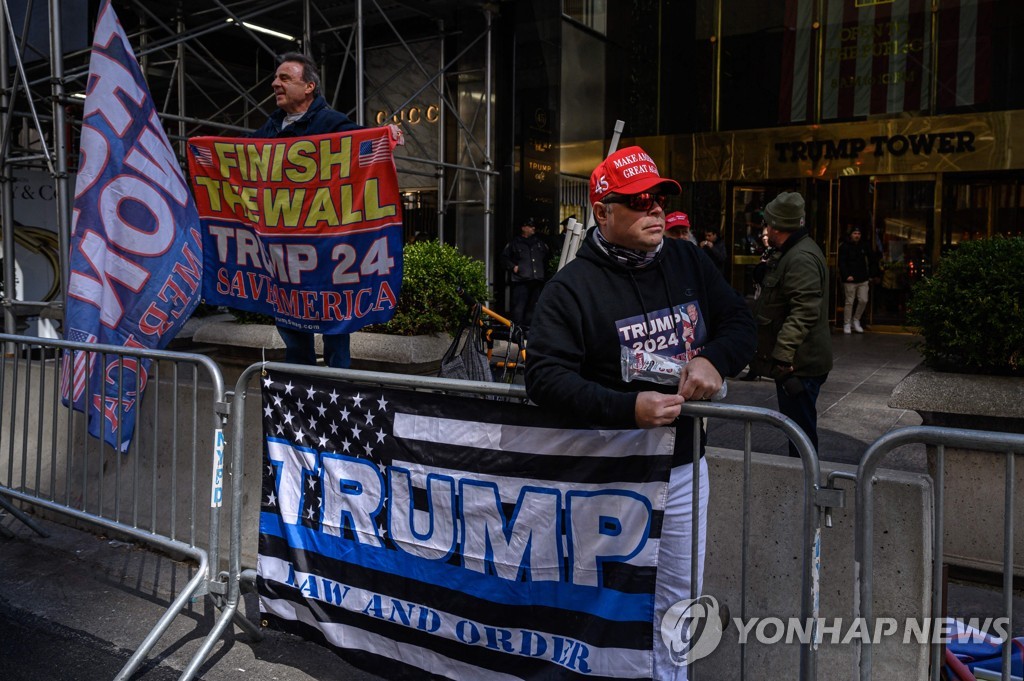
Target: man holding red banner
(303,111)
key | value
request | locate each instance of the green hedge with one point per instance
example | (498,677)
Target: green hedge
(430,301)
(971,311)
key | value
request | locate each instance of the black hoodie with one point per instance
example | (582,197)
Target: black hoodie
(595,305)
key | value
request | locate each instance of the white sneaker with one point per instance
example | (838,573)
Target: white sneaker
(857,327)
(846,328)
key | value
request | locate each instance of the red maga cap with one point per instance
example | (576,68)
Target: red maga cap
(676,220)
(628,171)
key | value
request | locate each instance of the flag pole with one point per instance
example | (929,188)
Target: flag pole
(573,232)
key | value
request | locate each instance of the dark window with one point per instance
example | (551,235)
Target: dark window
(752,67)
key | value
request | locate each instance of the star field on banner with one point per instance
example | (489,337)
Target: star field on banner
(422,534)
(306,230)
(136,254)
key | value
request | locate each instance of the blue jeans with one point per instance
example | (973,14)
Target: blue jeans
(300,348)
(802,408)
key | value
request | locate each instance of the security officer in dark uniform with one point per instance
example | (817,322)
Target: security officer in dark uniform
(525,257)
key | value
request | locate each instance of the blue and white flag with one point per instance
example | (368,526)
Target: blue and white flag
(136,254)
(421,534)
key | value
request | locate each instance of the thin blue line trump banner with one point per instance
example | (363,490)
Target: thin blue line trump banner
(136,253)
(307,230)
(422,534)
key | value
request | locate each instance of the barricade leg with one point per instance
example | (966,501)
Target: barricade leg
(165,620)
(25,520)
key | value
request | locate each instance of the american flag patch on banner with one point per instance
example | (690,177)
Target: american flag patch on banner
(406,530)
(83,363)
(374,151)
(203,155)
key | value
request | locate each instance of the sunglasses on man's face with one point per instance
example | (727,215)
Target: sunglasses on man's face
(639,202)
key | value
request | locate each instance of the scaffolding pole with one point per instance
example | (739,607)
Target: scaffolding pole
(61,182)
(183,41)
(488,158)
(6,188)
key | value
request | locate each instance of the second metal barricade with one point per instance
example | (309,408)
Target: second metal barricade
(1009,445)
(814,498)
(164,489)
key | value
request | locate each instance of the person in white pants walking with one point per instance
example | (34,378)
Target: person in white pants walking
(854,272)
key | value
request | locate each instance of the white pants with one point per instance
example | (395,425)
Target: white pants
(860,292)
(674,557)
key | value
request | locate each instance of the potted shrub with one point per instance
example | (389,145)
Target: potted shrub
(431,307)
(434,279)
(970,313)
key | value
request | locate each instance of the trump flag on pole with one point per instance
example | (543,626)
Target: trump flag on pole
(136,253)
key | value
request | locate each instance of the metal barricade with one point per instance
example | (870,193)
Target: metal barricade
(235,575)
(1009,444)
(816,500)
(153,492)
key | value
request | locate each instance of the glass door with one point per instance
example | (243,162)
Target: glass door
(745,235)
(745,221)
(903,237)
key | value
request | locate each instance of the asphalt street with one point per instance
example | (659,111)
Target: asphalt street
(33,648)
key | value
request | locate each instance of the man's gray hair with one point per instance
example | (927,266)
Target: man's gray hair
(310,73)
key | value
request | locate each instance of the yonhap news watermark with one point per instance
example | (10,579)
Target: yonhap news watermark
(693,629)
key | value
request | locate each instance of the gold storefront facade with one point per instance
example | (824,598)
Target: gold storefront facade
(899,117)
(916,186)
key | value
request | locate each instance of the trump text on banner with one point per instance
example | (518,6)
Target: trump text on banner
(461,537)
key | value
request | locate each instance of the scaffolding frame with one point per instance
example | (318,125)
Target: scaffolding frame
(197,91)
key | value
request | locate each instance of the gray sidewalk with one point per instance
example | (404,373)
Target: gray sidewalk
(73,606)
(852,407)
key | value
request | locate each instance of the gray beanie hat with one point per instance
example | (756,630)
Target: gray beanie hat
(786,211)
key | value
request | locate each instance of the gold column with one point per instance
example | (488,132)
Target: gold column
(992,214)
(657,108)
(933,87)
(937,231)
(716,60)
(723,188)
(819,62)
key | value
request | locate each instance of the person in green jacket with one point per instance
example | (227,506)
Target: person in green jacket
(794,343)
